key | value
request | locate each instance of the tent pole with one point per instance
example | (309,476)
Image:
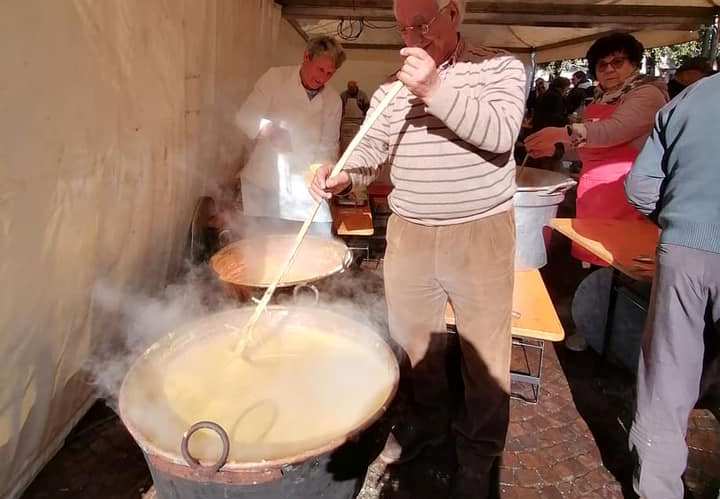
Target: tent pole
(710,41)
(533,71)
(714,55)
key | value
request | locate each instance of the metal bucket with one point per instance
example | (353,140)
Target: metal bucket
(536,201)
(334,468)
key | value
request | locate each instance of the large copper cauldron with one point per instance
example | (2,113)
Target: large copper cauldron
(251,264)
(243,448)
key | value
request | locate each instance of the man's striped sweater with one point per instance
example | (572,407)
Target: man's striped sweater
(451,159)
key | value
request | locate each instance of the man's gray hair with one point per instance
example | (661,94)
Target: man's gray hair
(320,45)
(444,3)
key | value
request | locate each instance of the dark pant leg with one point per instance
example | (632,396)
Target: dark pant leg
(416,316)
(477,269)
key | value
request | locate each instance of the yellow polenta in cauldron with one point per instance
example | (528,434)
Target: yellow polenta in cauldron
(314,377)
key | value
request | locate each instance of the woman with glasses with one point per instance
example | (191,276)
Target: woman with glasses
(613,130)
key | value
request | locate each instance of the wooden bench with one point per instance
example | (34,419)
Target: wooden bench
(354,224)
(627,245)
(534,322)
(349,220)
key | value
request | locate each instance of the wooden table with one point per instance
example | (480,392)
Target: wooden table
(536,321)
(618,242)
(351,220)
(537,317)
(628,246)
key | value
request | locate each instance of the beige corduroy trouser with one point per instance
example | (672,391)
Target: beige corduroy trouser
(472,265)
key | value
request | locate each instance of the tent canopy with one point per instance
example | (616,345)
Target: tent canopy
(561,29)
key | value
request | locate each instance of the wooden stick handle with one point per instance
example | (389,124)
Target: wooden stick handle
(246,335)
(367,125)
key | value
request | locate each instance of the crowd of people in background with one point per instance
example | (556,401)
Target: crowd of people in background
(562,101)
(647,148)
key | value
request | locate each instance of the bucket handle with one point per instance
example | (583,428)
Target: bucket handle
(559,189)
(300,287)
(192,461)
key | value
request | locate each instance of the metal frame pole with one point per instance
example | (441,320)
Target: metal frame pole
(710,41)
(714,55)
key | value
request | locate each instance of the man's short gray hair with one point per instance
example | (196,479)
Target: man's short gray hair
(320,45)
(444,3)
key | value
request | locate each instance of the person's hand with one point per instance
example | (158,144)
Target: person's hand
(220,219)
(543,151)
(542,144)
(223,210)
(324,186)
(278,136)
(267,130)
(419,72)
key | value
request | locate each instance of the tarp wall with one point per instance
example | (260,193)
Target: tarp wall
(114,118)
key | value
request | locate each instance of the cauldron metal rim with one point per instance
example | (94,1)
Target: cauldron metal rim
(347,260)
(155,451)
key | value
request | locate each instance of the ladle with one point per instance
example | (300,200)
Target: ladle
(246,336)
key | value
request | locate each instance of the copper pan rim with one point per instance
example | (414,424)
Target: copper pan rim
(340,265)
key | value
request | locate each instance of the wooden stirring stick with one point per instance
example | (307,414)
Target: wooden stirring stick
(246,337)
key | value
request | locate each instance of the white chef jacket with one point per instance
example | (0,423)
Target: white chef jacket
(275,184)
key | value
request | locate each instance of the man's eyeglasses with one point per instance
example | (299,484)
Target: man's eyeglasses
(422,29)
(616,63)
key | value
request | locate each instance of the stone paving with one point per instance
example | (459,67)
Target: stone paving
(573,444)
(99,460)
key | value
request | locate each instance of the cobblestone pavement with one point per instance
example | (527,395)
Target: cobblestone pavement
(99,461)
(573,444)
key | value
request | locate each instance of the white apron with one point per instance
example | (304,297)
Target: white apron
(274,183)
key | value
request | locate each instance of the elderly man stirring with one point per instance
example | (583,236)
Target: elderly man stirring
(448,137)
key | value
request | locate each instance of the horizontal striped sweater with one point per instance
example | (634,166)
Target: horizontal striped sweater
(451,159)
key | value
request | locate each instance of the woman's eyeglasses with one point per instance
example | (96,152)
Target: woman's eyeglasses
(423,29)
(616,63)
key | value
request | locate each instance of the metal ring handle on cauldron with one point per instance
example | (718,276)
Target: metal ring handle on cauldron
(306,285)
(225,237)
(192,461)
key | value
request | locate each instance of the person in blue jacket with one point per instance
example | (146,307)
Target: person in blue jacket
(676,182)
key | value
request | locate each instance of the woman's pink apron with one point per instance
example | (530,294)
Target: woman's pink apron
(601,189)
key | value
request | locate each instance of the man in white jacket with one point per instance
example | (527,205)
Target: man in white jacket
(293,118)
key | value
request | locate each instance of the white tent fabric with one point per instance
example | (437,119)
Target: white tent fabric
(114,118)
(541,29)
(519,39)
(649,38)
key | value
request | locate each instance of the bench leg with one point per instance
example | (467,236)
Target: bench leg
(528,377)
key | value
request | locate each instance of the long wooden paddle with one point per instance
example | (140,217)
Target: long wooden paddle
(246,336)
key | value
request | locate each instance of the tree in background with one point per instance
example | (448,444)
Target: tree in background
(556,68)
(677,54)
